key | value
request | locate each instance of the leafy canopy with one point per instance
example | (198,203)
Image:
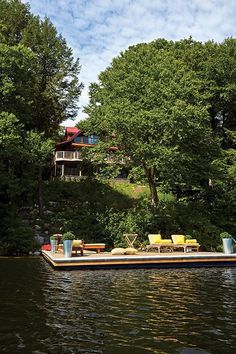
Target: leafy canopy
(156,109)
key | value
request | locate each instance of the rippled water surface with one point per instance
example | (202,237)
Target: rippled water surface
(115,311)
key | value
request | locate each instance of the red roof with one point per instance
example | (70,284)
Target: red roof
(71,130)
(70,134)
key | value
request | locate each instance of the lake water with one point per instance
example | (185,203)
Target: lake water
(115,311)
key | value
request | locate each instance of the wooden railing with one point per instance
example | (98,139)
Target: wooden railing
(68,155)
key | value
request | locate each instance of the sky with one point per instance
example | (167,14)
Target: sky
(98,30)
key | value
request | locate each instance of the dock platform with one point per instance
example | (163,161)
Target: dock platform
(105,260)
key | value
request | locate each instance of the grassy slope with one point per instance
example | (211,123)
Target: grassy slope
(105,194)
(101,211)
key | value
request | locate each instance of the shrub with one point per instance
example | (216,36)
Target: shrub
(54,237)
(18,239)
(68,236)
(225,235)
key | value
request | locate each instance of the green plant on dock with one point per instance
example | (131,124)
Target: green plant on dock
(68,236)
(225,235)
(54,237)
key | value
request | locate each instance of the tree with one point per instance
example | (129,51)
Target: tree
(39,150)
(14,17)
(155,108)
(39,89)
(57,87)
(18,71)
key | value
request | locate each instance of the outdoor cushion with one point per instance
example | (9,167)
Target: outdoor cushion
(131,251)
(191,241)
(178,239)
(118,251)
(77,243)
(46,247)
(154,238)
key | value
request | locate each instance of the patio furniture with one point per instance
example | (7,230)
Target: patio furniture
(180,242)
(77,246)
(192,244)
(95,246)
(130,239)
(156,241)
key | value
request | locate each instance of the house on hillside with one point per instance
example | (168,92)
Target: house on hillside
(67,159)
(68,162)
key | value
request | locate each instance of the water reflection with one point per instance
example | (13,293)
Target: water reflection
(116,311)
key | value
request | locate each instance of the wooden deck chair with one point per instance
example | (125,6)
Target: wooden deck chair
(180,241)
(156,241)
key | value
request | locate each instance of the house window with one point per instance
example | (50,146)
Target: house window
(78,139)
(91,139)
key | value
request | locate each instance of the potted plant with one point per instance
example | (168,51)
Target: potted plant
(67,239)
(227,242)
(53,243)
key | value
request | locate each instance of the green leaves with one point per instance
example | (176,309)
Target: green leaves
(18,68)
(39,148)
(156,106)
(39,89)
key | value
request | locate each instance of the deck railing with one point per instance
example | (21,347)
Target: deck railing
(68,155)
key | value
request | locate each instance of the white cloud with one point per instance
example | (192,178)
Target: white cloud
(99,30)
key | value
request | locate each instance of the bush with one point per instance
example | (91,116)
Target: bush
(54,237)
(18,239)
(225,235)
(68,236)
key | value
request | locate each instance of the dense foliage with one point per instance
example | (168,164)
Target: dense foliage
(39,89)
(97,211)
(170,107)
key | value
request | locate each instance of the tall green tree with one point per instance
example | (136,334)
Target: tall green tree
(14,17)
(57,87)
(155,108)
(39,89)
(17,76)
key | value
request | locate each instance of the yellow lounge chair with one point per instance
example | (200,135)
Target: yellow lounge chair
(180,241)
(78,245)
(156,241)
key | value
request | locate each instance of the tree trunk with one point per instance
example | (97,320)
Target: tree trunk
(40,191)
(150,174)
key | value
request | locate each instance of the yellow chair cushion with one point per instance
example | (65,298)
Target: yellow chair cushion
(77,243)
(154,238)
(178,239)
(131,251)
(118,251)
(193,240)
(166,241)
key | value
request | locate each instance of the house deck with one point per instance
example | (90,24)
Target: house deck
(105,260)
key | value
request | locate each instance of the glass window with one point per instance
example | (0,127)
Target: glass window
(91,139)
(77,139)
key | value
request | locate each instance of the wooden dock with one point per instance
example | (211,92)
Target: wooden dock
(105,260)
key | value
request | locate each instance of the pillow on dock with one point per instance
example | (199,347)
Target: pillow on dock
(192,240)
(118,251)
(77,243)
(130,251)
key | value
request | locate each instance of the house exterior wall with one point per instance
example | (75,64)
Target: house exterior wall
(67,162)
